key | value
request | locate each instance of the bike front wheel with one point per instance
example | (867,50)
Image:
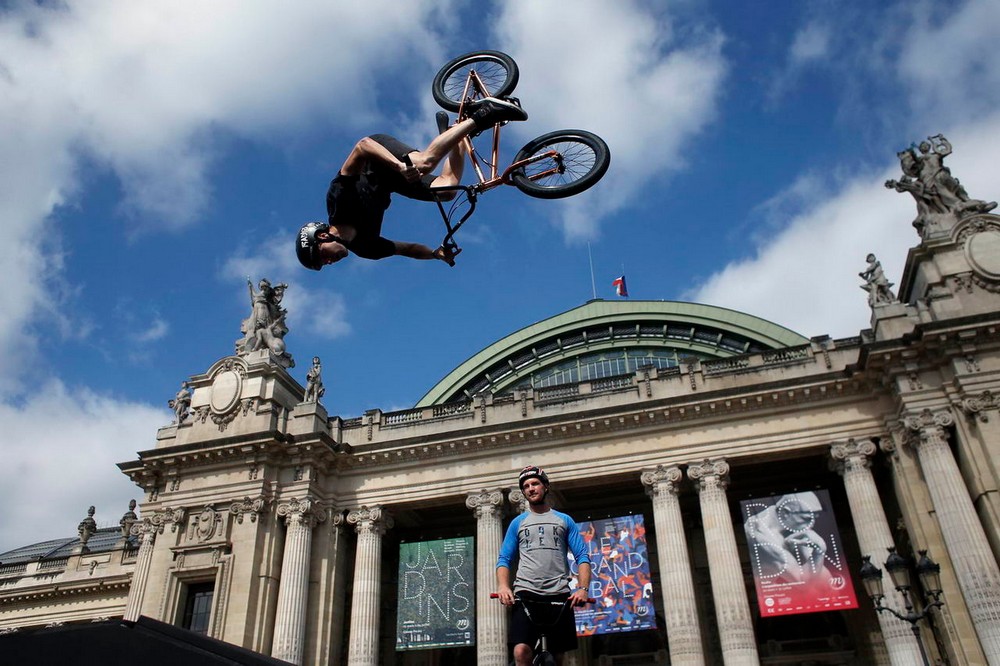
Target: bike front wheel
(560,164)
(496,70)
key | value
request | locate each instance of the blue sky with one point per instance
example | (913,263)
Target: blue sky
(155,154)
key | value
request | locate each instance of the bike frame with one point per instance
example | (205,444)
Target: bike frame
(487,169)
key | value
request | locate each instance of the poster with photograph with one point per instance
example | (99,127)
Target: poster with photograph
(620,581)
(436,594)
(796,554)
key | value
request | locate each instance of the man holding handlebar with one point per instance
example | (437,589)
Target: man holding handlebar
(380,165)
(540,538)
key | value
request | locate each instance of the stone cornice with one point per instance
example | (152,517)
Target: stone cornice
(633,416)
(87,588)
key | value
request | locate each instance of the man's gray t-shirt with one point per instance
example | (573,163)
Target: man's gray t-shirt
(541,541)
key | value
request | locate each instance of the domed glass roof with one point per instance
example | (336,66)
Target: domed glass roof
(607,338)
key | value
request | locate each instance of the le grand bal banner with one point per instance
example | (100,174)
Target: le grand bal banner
(620,581)
(796,554)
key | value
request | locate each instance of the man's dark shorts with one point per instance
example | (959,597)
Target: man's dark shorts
(382,176)
(561,636)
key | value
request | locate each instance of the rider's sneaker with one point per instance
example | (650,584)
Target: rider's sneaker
(442,121)
(489,111)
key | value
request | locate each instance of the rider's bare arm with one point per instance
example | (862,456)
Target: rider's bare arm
(368,149)
(503,586)
(583,585)
(421,251)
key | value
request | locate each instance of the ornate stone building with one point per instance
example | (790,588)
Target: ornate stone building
(269,524)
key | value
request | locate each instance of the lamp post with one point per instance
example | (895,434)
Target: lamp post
(929,573)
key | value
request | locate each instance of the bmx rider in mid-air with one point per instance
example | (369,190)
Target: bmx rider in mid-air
(380,165)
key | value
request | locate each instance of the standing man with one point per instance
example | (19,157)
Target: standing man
(540,538)
(381,165)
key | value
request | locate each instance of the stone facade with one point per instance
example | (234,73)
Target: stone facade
(295,517)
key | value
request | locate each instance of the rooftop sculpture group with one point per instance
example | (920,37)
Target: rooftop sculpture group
(265,327)
(936,192)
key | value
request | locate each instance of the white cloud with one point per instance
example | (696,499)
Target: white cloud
(616,69)
(806,278)
(42,500)
(810,44)
(949,61)
(140,89)
(317,311)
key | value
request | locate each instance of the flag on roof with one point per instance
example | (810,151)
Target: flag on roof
(619,285)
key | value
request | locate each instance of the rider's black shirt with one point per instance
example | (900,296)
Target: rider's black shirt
(361,201)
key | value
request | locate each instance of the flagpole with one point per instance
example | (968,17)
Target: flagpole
(593,285)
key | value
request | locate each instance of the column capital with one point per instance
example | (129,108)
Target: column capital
(518,500)
(927,427)
(852,454)
(250,506)
(305,512)
(709,473)
(662,479)
(485,502)
(975,406)
(367,519)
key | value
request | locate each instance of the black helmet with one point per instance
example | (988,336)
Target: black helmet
(532,472)
(307,247)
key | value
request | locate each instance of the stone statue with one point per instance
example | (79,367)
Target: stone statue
(87,527)
(314,382)
(181,403)
(128,519)
(876,284)
(265,327)
(931,184)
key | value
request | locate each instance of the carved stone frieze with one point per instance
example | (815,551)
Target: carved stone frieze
(205,525)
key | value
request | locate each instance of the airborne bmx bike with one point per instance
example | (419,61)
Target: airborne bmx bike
(542,656)
(555,165)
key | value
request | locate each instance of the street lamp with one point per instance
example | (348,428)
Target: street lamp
(929,573)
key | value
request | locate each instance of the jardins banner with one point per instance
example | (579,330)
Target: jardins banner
(436,594)
(620,582)
(796,554)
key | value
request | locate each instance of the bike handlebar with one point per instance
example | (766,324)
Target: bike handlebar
(590,600)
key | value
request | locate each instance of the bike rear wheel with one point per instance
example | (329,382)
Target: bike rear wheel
(564,163)
(497,70)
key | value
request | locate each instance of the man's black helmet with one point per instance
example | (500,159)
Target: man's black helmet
(307,247)
(532,472)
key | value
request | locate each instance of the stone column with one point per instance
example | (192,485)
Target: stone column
(676,582)
(975,566)
(370,524)
(146,531)
(491,617)
(293,587)
(732,607)
(852,461)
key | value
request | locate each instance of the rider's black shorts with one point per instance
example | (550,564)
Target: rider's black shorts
(559,628)
(392,180)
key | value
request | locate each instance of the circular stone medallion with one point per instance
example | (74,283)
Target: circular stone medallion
(983,252)
(226,391)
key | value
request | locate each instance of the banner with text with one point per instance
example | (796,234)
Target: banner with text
(796,554)
(620,581)
(436,594)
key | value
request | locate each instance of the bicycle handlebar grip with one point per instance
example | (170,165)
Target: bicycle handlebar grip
(407,161)
(494,595)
